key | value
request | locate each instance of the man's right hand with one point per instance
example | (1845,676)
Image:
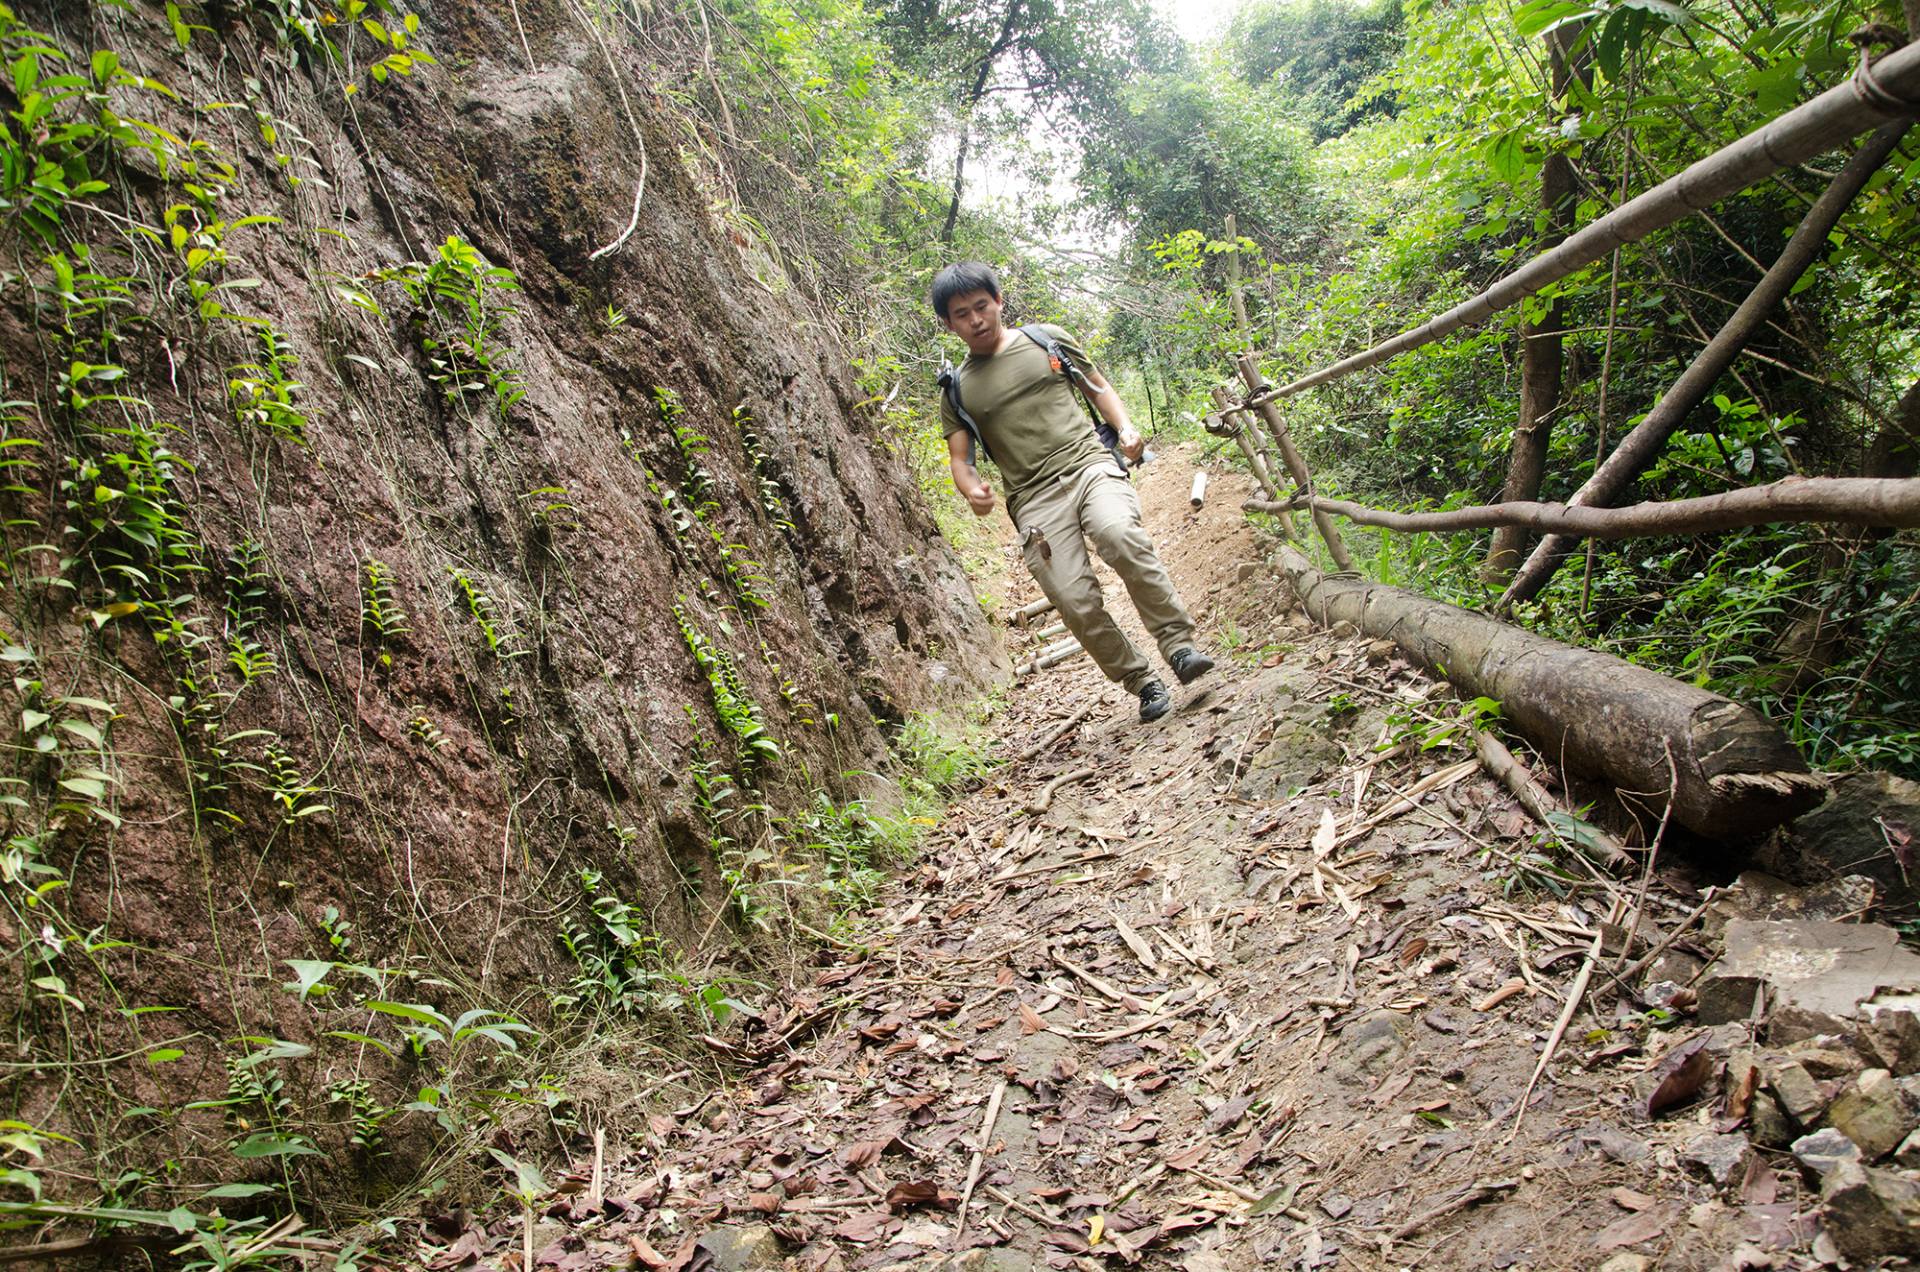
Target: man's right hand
(980,499)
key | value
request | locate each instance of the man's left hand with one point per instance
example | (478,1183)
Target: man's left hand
(1132,445)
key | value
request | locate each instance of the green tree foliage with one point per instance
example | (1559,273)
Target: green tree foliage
(1189,147)
(1326,55)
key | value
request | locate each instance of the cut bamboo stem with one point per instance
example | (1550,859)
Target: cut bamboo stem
(979,1158)
(1030,611)
(1051,657)
(1055,734)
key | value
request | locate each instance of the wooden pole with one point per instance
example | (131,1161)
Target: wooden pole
(1233,283)
(1640,447)
(1295,465)
(1236,421)
(1888,503)
(1725,772)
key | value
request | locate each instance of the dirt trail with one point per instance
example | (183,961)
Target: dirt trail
(1186,1029)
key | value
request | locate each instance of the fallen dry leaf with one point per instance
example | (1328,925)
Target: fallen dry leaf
(1031,1021)
(1327,834)
(864,1227)
(1679,1075)
(1188,1158)
(921,1192)
(864,1153)
(1500,995)
(1635,1228)
(1628,1199)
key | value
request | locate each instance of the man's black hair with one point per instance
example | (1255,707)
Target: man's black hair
(960,278)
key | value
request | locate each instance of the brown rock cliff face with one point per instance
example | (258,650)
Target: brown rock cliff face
(438,788)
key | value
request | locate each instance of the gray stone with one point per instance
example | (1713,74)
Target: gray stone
(1870,1214)
(1825,1058)
(752,1248)
(1874,1113)
(995,1259)
(1843,835)
(1616,1144)
(1823,1150)
(1758,895)
(1907,1156)
(1801,1098)
(1814,974)
(1890,1031)
(1768,1124)
(1371,1046)
(1624,1262)
(1721,1158)
(1302,748)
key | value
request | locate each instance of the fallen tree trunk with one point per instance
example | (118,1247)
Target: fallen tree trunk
(1885,502)
(1730,773)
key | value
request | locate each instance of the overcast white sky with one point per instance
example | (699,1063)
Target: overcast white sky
(1197,19)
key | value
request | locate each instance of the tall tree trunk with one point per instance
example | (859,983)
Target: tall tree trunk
(979,90)
(1540,345)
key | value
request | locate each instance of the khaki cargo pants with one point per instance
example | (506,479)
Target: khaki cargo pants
(1055,523)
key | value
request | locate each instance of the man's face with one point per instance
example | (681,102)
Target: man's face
(975,317)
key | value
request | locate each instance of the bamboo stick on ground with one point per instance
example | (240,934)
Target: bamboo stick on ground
(1030,611)
(1505,766)
(1055,734)
(979,1157)
(1050,658)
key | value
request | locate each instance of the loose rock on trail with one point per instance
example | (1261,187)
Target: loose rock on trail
(1252,987)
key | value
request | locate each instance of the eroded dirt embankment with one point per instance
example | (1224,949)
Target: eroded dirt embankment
(1228,991)
(409,498)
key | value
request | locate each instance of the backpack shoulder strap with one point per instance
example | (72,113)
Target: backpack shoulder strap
(950,386)
(1063,362)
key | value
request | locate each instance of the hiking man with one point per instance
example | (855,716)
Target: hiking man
(1066,478)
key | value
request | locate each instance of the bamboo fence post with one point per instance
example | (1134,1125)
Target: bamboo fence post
(1295,465)
(1233,283)
(1256,460)
(1640,447)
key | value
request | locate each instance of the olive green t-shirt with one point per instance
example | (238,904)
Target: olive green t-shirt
(1029,415)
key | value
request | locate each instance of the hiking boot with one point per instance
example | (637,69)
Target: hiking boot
(1155,701)
(1189,664)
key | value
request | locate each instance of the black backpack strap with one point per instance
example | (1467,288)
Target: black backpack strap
(950,386)
(1063,362)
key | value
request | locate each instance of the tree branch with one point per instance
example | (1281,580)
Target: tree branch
(1891,503)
